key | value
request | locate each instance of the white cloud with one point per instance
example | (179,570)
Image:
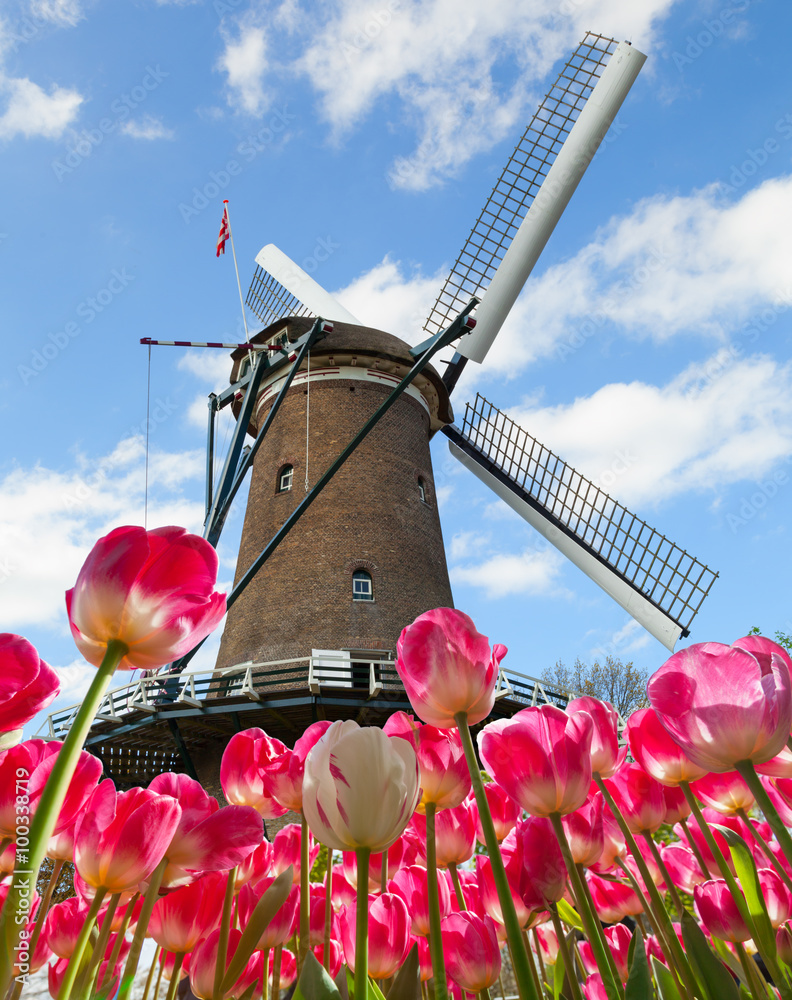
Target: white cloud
(30,111)
(502,574)
(719,422)
(245,63)
(59,12)
(147,127)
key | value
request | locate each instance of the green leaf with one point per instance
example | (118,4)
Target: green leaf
(342,982)
(639,982)
(406,983)
(559,976)
(314,982)
(666,987)
(569,914)
(745,868)
(711,973)
(266,908)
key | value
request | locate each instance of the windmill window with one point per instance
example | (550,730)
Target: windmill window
(285,477)
(421,490)
(362,588)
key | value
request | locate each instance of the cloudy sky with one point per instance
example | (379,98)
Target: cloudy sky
(651,348)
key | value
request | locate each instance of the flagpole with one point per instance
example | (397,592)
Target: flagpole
(233,251)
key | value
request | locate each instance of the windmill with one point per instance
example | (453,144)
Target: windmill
(341,413)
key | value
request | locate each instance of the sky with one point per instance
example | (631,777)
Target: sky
(650,348)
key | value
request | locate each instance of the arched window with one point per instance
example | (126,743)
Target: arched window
(285,477)
(362,588)
(422,490)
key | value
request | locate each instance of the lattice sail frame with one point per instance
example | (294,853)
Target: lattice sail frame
(521,179)
(270,301)
(666,575)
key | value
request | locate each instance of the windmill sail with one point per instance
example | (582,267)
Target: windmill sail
(535,187)
(654,580)
(282,288)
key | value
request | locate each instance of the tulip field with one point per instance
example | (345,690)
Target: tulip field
(552,855)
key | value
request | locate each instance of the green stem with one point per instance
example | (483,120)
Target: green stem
(591,924)
(225,927)
(751,778)
(155,881)
(328,908)
(99,947)
(361,924)
(751,972)
(157,953)
(520,963)
(44,906)
(276,971)
(174,979)
(696,850)
(305,894)
(76,957)
(537,951)
(457,887)
(111,962)
(26,872)
(265,975)
(664,872)
(566,955)
(435,938)
(159,978)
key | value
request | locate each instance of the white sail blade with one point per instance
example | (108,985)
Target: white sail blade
(302,286)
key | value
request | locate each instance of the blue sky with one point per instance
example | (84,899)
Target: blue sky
(370,134)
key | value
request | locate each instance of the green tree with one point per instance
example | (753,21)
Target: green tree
(622,684)
(782,638)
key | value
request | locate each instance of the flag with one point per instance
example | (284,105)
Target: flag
(225,233)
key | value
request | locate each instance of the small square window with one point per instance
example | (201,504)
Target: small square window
(362,589)
(285,478)
(422,490)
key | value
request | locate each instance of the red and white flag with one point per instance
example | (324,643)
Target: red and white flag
(225,234)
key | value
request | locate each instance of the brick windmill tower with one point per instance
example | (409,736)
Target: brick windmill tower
(342,545)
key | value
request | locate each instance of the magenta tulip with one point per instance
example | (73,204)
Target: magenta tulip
(242,768)
(639,797)
(336,956)
(613,901)
(779,766)
(718,911)
(541,756)
(618,938)
(287,850)
(445,778)
(183,918)
(594,988)
(504,811)
(388,934)
(784,944)
(27,683)
(683,867)
(606,754)
(677,807)
(776,896)
(725,793)
(585,832)
(447,668)
(63,925)
(725,704)
(455,834)
(656,752)
(283,924)
(283,775)
(151,590)
(472,951)
(121,837)
(488,892)
(256,866)
(203,962)
(411,884)
(542,873)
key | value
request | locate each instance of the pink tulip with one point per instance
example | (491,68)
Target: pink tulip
(283,775)
(725,704)
(532,848)
(585,832)
(316,919)
(725,793)
(121,837)
(541,756)
(683,867)
(287,850)
(639,797)
(411,884)
(283,924)
(183,918)
(594,988)
(471,949)
(618,939)
(256,866)
(504,810)
(613,901)
(780,792)
(691,833)
(488,892)
(650,862)
(784,944)
(606,755)
(548,943)
(25,961)
(455,834)
(779,766)
(27,683)
(151,590)
(204,960)
(36,758)
(676,804)
(336,957)
(613,843)
(446,667)
(445,779)
(404,851)
(776,896)
(656,752)
(288,970)
(361,787)
(388,934)
(718,911)
(8,860)
(63,925)
(57,971)
(208,838)
(242,768)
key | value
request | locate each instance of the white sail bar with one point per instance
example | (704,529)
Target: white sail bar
(302,286)
(552,198)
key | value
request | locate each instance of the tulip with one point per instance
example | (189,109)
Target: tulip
(779,766)
(542,875)
(242,768)
(677,807)
(256,866)
(183,918)
(411,884)
(725,705)
(725,793)
(455,834)
(784,944)
(317,916)
(585,833)
(283,925)
(388,934)
(27,685)
(283,775)
(204,960)
(447,668)
(776,896)
(504,811)
(683,867)
(488,893)
(445,779)
(63,924)
(639,798)
(656,752)
(718,911)
(151,591)
(288,970)
(472,951)
(606,755)
(336,959)
(594,988)
(360,788)
(287,850)
(618,938)
(541,756)
(613,901)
